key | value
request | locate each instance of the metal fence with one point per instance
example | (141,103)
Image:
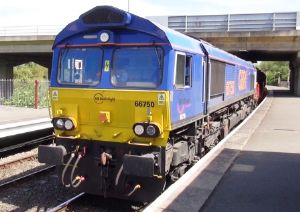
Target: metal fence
(30,30)
(232,22)
(194,23)
(24,93)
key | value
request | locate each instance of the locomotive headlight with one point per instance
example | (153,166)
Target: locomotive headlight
(139,129)
(64,123)
(59,124)
(69,125)
(150,130)
(146,129)
(104,37)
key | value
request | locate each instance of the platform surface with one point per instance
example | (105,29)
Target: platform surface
(18,114)
(265,175)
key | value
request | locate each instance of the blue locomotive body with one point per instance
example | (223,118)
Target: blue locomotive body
(213,78)
(137,103)
(229,78)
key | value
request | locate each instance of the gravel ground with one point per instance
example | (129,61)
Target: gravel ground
(92,203)
(44,191)
(20,168)
(18,155)
(34,194)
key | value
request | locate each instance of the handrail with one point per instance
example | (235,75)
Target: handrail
(30,30)
(193,23)
(232,22)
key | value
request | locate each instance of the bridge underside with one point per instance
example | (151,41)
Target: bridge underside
(252,46)
(17,50)
(8,61)
(261,46)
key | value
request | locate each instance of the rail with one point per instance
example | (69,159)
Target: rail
(25,176)
(66,203)
(232,22)
(42,140)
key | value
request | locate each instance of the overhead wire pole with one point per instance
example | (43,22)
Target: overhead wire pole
(128,5)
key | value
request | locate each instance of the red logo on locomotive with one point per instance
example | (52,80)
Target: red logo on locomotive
(242,80)
(229,88)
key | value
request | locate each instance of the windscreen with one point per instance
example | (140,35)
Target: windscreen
(137,67)
(80,66)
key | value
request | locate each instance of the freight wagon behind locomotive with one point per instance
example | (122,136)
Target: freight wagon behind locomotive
(135,104)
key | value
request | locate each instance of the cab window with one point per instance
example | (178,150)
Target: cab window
(137,67)
(80,66)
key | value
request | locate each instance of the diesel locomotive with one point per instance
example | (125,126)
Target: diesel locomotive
(135,104)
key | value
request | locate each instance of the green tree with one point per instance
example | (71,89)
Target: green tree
(274,69)
(31,71)
(24,85)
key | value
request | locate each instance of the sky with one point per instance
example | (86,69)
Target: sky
(61,12)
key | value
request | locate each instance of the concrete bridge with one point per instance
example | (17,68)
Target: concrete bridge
(19,45)
(255,37)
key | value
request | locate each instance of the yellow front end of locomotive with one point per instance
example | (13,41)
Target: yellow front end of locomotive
(111,115)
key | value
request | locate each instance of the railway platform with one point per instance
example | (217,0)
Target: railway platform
(18,114)
(16,121)
(255,168)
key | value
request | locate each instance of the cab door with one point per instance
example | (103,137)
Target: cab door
(186,98)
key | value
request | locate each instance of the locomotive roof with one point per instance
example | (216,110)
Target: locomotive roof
(181,41)
(108,17)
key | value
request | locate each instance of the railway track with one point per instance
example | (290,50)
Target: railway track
(65,204)
(91,203)
(18,160)
(41,140)
(34,173)
(21,160)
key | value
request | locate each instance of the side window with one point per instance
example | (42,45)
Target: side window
(188,71)
(204,67)
(217,78)
(183,71)
(252,81)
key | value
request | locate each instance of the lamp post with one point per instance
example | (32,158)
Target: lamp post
(128,5)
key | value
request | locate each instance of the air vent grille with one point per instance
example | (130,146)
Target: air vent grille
(104,16)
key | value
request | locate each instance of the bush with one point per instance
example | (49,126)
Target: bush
(21,90)
(274,70)
(24,94)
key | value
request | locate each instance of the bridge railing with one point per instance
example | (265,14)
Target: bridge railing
(193,23)
(233,22)
(30,30)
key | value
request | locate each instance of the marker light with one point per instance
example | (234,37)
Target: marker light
(150,130)
(139,129)
(69,124)
(104,37)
